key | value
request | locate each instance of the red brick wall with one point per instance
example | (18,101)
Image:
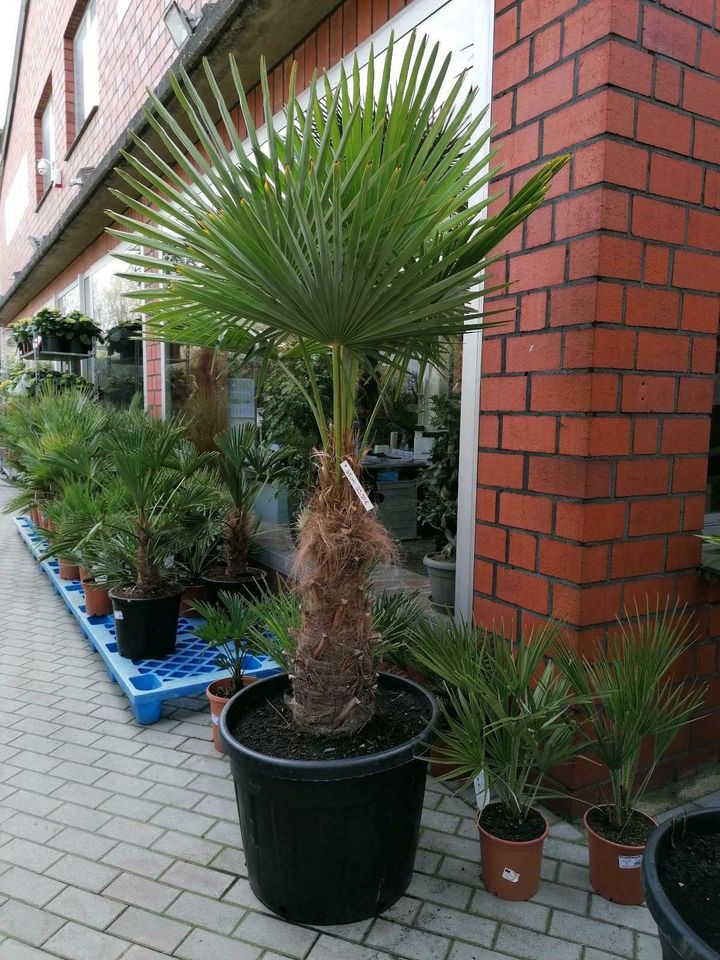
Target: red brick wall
(596,395)
(134,54)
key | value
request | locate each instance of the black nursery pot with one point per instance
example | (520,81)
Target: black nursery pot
(677,939)
(251,586)
(52,343)
(146,627)
(329,841)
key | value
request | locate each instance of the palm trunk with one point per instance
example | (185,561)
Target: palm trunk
(147,574)
(334,673)
(237,544)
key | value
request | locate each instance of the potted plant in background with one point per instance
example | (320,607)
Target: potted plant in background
(245,465)
(680,878)
(123,340)
(48,323)
(438,507)
(393,245)
(507,715)
(228,629)
(79,332)
(165,503)
(632,709)
(22,333)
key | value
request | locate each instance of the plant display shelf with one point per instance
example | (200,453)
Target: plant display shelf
(146,683)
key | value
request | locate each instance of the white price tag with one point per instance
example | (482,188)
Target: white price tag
(510,875)
(356,485)
(482,794)
(119,615)
(629,863)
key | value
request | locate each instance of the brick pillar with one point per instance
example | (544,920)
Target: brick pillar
(596,395)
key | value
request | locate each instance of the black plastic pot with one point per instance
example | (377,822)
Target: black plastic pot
(250,586)
(77,346)
(328,841)
(677,939)
(52,343)
(145,627)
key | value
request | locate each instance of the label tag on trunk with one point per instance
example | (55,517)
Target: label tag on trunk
(119,615)
(356,485)
(629,863)
(510,875)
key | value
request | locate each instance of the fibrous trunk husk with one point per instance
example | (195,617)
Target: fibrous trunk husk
(238,531)
(334,677)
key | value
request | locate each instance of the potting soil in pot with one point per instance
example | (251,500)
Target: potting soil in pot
(269,728)
(690,875)
(494,821)
(635,833)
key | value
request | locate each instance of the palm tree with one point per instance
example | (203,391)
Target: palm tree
(356,231)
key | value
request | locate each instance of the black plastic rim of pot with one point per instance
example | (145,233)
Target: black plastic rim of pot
(329,841)
(675,933)
(251,585)
(331,769)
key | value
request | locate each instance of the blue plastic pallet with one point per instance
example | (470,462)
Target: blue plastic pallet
(146,683)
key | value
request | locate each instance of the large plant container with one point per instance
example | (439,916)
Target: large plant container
(511,868)
(330,841)
(146,627)
(677,938)
(251,585)
(615,868)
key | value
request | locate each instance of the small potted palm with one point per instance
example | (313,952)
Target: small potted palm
(163,504)
(245,465)
(507,715)
(229,627)
(362,239)
(632,708)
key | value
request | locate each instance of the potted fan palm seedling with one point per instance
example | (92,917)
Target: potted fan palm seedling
(245,465)
(630,703)
(364,240)
(164,502)
(228,630)
(507,715)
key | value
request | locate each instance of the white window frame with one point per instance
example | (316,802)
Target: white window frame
(86,91)
(47,149)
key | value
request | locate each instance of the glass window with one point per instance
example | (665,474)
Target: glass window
(47,128)
(69,299)
(119,360)
(85,65)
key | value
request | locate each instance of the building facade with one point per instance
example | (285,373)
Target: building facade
(589,431)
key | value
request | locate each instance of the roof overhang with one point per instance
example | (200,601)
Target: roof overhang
(245,28)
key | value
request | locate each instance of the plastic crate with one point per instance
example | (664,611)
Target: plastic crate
(146,683)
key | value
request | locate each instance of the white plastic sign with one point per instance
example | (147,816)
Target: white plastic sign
(119,615)
(510,875)
(482,794)
(356,485)
(629,863)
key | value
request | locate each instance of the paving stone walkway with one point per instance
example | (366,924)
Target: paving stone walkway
(121,842)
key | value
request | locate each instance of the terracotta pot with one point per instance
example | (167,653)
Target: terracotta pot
(216,706)
(69,570)
(35,516)
(511,868)
(195,591)
(615,868)
(85,574)
(97,600)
